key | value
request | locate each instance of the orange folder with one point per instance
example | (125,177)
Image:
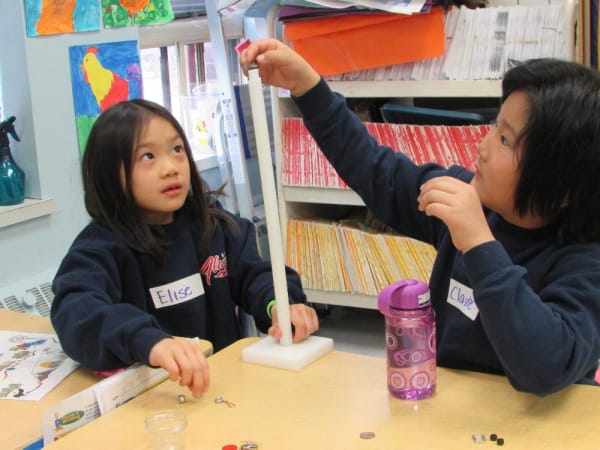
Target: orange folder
(348,43)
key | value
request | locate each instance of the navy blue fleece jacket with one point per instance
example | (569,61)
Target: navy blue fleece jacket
(112,304)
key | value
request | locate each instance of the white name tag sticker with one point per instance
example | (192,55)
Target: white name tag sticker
(461,296)
(177,292)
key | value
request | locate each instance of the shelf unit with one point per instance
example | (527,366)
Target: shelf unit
(424,88)
(296,202)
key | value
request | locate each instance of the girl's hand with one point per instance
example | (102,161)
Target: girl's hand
(280,66)
(184,361)
(457,205)
(303,318)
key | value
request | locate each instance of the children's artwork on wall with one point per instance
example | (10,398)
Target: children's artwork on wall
(122,13)
(101,76)
(61,16)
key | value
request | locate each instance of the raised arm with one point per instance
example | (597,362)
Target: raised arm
(279,66)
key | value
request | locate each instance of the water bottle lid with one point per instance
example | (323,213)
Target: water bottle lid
(404,294)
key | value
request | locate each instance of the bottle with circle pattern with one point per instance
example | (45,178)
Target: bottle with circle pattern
(410,339)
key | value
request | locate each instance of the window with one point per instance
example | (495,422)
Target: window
(175,77)
(179,72)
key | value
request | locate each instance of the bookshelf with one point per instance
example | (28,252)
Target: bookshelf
(323,204)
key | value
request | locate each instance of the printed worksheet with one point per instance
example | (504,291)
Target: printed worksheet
(97,400)
(31,365)
(70,414)
(113,391)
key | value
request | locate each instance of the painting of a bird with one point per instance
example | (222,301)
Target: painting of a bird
(106,85)
(102,75)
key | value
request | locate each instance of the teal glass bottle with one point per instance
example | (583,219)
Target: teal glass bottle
(12,178)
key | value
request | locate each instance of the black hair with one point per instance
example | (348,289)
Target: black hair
(109,149)
(559,147)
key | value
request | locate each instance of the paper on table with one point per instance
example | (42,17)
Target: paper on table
(122,387)
(99,399)
(70,414)
(31,365)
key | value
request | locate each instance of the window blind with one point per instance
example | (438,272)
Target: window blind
(188,8)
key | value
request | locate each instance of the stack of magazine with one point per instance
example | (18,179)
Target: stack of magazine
(305,165)
(332,256)
(482,43)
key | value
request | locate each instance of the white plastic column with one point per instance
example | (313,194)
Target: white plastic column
(267,178)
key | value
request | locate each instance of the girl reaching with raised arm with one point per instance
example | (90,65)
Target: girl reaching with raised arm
(516,281)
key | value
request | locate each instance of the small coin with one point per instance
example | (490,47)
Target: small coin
(181,398)
(367,435)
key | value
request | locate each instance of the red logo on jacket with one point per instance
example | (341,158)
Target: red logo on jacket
(215,266)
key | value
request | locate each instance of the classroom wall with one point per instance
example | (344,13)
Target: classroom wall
(36,87)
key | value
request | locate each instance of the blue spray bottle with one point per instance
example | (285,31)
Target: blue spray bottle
(12,178)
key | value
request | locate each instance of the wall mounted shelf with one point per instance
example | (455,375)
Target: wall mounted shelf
(31,208)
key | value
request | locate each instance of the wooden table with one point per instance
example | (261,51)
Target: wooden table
(21,420)
(329,403)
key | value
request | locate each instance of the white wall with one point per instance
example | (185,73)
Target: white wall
(14,94)
(36,87)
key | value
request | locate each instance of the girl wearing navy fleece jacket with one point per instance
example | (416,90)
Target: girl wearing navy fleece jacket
(160,258)
(516,281)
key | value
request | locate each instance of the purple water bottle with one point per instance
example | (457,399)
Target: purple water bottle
(410,339)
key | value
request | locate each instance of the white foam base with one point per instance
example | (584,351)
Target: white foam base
(269,352)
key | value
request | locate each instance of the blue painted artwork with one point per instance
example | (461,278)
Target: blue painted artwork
(102,75)
(61,16)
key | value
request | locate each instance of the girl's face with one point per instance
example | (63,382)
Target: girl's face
(496,169)
(160,172)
